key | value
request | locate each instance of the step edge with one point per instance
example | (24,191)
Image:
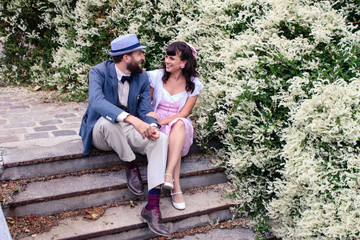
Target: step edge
(144,225)
(13,205)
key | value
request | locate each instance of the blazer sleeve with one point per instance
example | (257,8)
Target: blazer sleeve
(100,94)
(144,102)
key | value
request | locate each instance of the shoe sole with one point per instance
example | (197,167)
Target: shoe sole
(135,193)
(178,208)
(167,186)
(161,234)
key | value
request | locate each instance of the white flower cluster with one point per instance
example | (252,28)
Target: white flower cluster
(319,196)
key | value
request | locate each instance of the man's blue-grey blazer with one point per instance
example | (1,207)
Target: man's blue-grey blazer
(104,99)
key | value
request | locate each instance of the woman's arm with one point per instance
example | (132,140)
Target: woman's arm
(185,111)
(151,92)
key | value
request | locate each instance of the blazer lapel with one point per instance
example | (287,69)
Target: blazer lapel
(132,93)
(114,82)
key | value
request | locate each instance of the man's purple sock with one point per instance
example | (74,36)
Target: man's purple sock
(131,165)
(154,199)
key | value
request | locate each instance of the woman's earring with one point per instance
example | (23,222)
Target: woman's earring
(182,65)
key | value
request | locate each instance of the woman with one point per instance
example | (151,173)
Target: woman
(174,90)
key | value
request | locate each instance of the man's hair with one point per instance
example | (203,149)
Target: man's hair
(118,59)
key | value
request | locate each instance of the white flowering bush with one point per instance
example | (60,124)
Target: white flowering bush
(262,75)
(260,60)
(318,196)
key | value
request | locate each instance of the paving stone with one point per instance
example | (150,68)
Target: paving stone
(65,115)
(5,104)
(18,110)
(77,120)
(45,128)
(64,133)
(43,117)
(13,131)
(12,138)
(3,121)
(21,107)
(50,122)
(36,135)
(18,117)
(19,125)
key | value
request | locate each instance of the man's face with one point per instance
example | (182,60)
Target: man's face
(136,59)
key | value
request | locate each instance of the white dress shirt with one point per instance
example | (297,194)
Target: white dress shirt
(123,92)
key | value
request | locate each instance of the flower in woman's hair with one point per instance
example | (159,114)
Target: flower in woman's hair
(194,52)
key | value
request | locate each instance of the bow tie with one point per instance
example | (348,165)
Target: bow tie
(125,78)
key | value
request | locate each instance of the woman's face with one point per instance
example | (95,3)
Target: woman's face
(173,63)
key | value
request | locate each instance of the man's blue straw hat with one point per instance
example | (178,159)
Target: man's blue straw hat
(125,44)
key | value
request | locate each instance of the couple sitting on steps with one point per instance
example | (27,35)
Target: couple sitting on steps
(145,112)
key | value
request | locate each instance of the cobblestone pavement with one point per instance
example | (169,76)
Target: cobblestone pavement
(32,117)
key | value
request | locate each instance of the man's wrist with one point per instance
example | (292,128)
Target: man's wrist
(121,117)
(154,125)
(128,118)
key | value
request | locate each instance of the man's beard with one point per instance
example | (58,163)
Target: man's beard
(134,68)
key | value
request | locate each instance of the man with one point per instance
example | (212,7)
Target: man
(119,99)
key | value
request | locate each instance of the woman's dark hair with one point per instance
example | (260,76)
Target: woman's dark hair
(189,70)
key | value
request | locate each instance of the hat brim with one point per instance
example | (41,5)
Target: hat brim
(113,54)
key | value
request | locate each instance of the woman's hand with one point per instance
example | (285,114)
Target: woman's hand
(154,115)
(162,122)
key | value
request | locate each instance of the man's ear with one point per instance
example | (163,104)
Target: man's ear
(126,58)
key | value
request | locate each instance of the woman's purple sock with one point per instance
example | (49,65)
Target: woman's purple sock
(154,199)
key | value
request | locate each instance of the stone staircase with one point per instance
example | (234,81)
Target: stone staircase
(61,179)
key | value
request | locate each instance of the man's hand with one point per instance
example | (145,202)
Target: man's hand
(155,135)
(142,127)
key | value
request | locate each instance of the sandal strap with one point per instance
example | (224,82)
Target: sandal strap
(168,174)
(175,193)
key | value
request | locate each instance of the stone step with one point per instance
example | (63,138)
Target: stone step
(77,192)
(63,157)
(123,222)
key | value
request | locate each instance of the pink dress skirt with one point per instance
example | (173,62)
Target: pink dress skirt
(167,109)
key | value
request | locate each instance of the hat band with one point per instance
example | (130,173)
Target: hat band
(127,48)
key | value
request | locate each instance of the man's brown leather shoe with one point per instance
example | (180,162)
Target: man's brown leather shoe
(154,221)
(134,181)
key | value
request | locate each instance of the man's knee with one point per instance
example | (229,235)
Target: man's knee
(163,138)
(106,126)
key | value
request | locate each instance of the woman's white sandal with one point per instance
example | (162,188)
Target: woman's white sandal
(179,206)
(168,185)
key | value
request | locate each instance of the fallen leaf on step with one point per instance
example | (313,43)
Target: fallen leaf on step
(10,220)
(94,213)
(132,204)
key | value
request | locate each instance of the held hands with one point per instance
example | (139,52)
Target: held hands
(145,129)
(155,134)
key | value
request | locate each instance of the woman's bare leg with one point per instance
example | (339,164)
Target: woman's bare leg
(176,143)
